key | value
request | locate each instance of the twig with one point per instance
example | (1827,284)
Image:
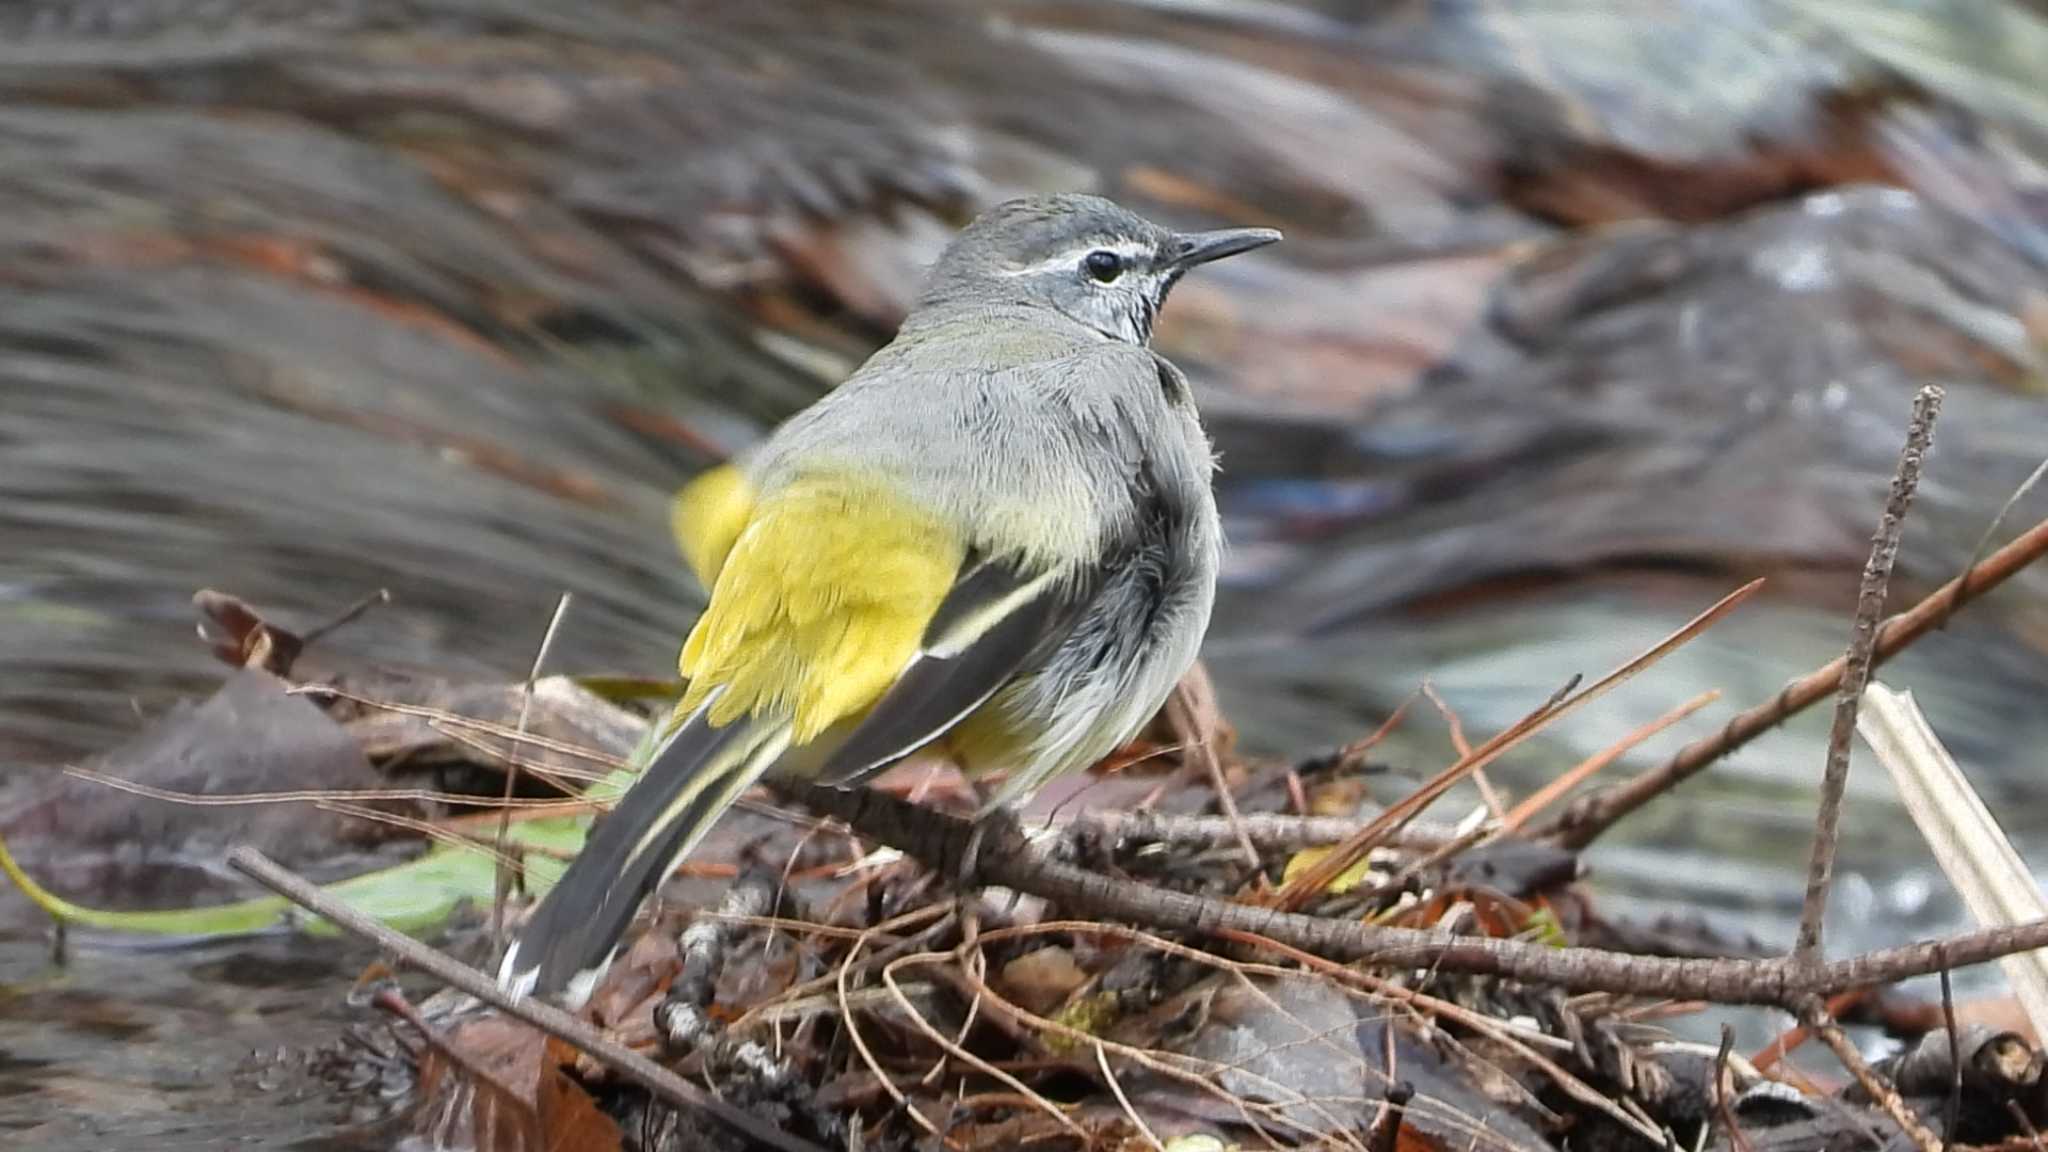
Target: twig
(1314,880)
(1724,1110)
(1586,769)
(1268,831)
(1955,1058)
(664,1084)
(347,616)
(1117,1089)
(1881,1093)
(1351,757)
(1856,663)
(1591,816)
(2032,1141)
(848,1021)
(1463,747)
(501,875)
(1786,1042)
(1007,859)
(1193,710)
(953,1048)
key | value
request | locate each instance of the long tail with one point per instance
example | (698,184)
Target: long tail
(692,778)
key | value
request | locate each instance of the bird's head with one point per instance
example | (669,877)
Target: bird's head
(1082,256)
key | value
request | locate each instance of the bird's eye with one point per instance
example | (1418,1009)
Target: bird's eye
(1104,266)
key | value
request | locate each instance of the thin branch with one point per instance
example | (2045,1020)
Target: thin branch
(1881,1093)
(1953,1116)
(1005,858)
(1192,708)
(664,1084)
(1591,766)
(1856,664)
(1724,1110)
(347,616)
(1316,879)
(1594,814)
(1267,831)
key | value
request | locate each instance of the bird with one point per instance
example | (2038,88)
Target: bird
(997,539)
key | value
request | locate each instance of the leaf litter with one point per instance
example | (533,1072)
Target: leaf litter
(851,999)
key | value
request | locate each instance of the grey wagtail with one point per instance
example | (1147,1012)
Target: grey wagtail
(997,538)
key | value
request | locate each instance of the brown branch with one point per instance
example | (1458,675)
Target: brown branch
(1594,814)
(664,1084)
(1267,831)
(1006,859)
(1881,1093)
(1870,594)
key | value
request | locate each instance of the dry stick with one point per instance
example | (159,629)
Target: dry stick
(348,615)
(1955,1058)
(1006,859)
(1880,1092)
(1463,748)
(501,883)
(1593,815)
(1268,831)
(1188,713)
(1723,1110)
(664,1084)
(1870,593)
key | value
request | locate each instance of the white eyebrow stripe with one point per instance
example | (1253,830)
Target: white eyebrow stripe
(1071,257)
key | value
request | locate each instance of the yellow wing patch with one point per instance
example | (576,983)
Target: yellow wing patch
(708,515)
(819,603)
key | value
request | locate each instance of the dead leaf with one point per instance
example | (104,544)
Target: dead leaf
(1041,981)
(250,641)
(498,1085)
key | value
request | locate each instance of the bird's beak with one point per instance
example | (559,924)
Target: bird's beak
(1192,248)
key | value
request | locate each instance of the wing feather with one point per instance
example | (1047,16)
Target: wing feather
(995,623)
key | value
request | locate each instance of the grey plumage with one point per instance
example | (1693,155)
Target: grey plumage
(1020,408)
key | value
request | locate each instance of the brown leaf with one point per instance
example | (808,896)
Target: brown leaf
(643,973)
(108,845)
(498,1085)
(1041,981)
(250,641)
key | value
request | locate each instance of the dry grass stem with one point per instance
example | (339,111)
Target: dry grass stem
(1313,881)
(1880,1091)
(1593,815)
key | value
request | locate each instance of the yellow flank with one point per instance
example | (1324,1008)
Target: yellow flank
(819,604)
(708,515)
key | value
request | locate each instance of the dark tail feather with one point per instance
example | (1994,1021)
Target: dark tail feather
(688,783)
